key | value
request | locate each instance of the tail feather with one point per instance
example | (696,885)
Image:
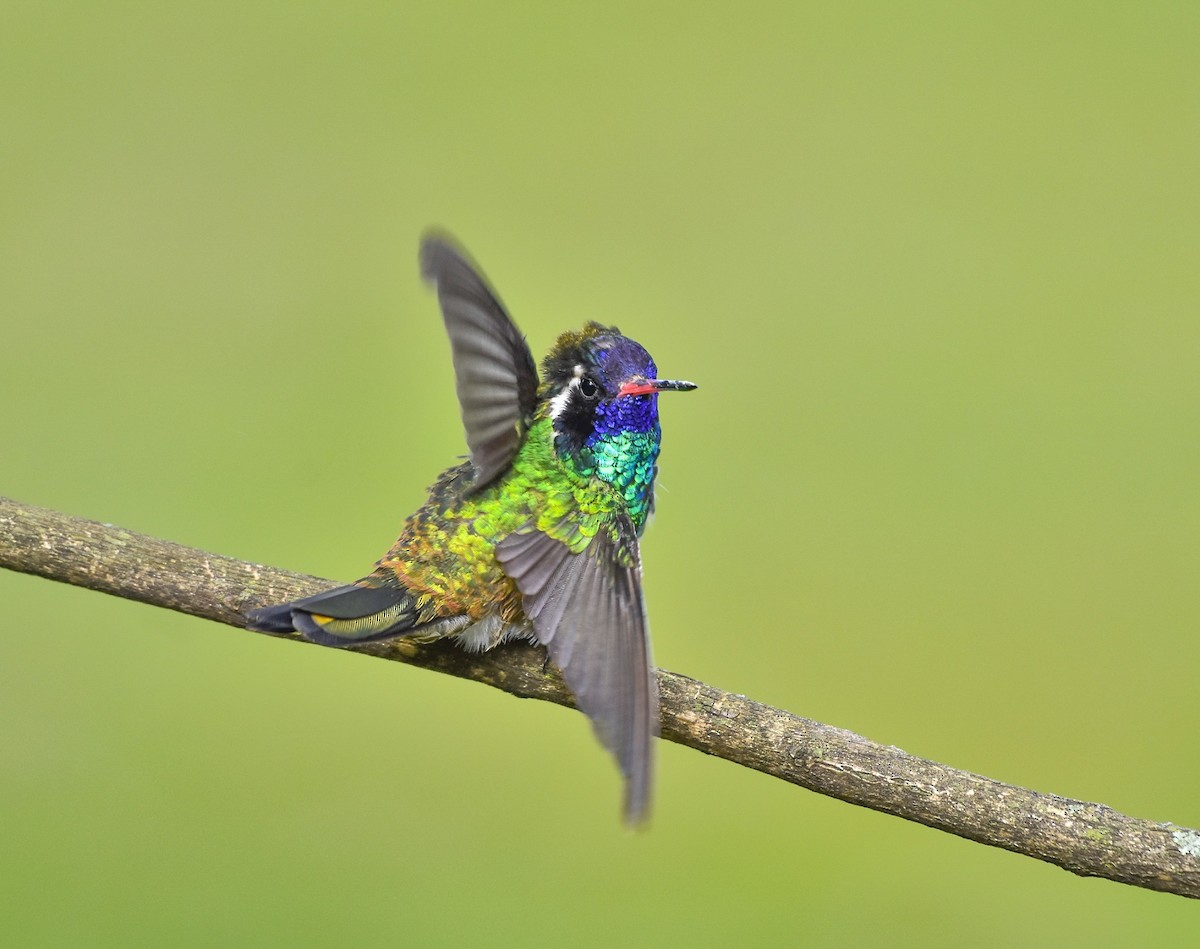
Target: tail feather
(344,616)
(271,619)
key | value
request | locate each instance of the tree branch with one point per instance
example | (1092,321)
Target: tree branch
(1085,838)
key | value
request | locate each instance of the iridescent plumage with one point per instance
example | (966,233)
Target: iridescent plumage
(536,536)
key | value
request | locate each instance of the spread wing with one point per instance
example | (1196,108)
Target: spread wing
(494,371)
(587,610)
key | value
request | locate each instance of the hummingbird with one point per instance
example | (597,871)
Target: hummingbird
(535,536)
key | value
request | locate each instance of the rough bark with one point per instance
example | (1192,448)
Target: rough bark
(1085,838)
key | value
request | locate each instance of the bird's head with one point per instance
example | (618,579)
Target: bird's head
(598,385)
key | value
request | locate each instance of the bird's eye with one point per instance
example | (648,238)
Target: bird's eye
(588,388)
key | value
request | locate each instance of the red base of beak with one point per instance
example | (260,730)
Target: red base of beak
(637,388)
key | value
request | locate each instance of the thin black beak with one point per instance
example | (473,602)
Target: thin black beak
(648,386)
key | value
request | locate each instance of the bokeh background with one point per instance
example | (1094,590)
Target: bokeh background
(934,266)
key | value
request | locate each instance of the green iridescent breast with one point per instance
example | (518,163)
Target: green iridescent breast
(628,461)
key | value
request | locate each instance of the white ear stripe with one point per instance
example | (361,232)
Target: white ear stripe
(558,403)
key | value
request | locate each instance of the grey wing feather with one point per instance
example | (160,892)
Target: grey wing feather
(587,609)
(495,374)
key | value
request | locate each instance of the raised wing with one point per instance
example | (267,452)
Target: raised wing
(587,610)
(495,374)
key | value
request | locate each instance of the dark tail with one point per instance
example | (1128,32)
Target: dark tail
(343,616)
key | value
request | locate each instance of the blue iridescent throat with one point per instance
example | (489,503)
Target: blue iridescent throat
(623,451)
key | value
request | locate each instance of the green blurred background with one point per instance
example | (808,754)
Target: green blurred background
(935,269)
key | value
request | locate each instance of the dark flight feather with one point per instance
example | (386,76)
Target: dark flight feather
(587,610)
(495,374)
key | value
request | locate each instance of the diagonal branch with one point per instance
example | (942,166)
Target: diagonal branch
(1087,839)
